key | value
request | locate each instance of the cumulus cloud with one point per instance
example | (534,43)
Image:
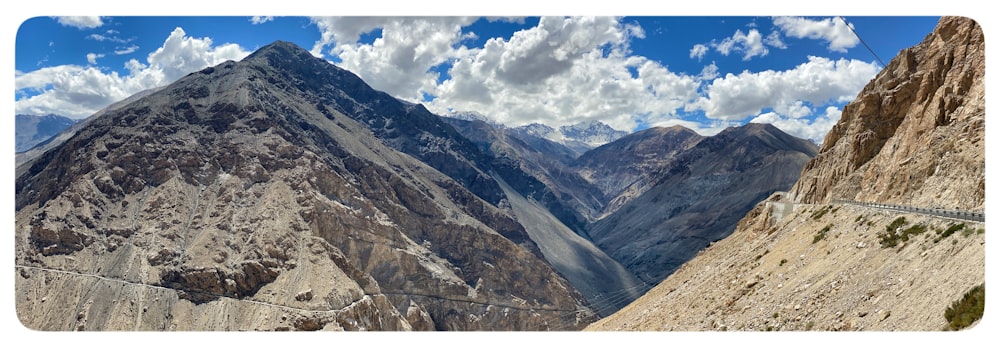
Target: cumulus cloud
(751,44)
(398,62)
(563,71)
(78,92)
(81,22)
(814,129)
(838,34)
(818,81)
(92,57)
(181,54)
(709,72)
(261,19)
(774,40)
(698,51)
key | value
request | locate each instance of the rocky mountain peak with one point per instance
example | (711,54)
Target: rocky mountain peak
(276,193)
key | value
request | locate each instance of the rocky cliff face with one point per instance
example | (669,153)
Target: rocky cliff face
(276,193)
(913,136)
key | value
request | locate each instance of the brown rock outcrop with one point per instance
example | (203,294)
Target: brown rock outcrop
(915,134)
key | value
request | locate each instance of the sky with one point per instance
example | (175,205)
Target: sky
(631,72)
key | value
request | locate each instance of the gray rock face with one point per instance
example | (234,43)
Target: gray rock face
(548,204)
(276,193)
(699,197)
(628,167)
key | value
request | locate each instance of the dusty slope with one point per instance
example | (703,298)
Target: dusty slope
(913,136)
(775,278)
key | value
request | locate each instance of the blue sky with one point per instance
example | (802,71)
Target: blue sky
(702,72)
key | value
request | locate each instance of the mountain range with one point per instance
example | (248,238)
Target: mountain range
(883,231)
(283,193)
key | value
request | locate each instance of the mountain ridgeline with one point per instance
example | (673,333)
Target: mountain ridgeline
(276,193)
(283,193)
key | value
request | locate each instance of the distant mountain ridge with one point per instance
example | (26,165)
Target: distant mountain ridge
(31,130)
(579,137)
(698,196)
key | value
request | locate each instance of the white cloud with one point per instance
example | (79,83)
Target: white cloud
(102,38)
(698,51)
(811,129)
(78,92)
(92,57)
(818,81)
(261,19)
(398,62)
(127,50)
(774,40)
(751,44)
(839,35)
(181,54)
(563,71)
(709,72)
(81,22)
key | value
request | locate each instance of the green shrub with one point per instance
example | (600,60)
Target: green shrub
(890,238)
(962,313)
(913,230)
(821,234)
(951,230)
(819,214)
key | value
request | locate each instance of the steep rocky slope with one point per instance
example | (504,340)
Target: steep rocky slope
(548,212)
(699,197)
(914,136)
(628,167)
(275,193)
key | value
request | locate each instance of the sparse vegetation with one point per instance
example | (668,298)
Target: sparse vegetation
(891,238)
(821,234)
(966,231)
(951,230)
(858,219)
(782,262)
(819,214)
(962,313)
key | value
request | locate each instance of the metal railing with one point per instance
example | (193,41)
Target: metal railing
(955,214)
